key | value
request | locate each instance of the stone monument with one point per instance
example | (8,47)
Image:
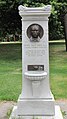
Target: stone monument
(36,99)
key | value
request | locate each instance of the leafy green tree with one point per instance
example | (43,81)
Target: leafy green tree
(10,22)
(9,17)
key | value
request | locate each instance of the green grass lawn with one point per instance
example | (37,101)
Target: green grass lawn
(58,70)
(11,71)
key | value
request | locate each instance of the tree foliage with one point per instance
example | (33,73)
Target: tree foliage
(57,20)
(9,17)
(10,22)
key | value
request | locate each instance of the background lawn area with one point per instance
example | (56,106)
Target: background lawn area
(58,70)
(11,71)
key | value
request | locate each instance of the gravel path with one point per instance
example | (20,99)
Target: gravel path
(6,106)
(63,106)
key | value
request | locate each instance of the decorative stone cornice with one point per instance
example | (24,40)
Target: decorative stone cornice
(26,11)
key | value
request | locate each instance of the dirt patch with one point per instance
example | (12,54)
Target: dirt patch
(63,106)
(5,106)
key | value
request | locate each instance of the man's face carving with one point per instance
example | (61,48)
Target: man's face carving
(35,31)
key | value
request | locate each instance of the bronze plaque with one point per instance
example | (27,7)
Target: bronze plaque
(35,32)
(35,67)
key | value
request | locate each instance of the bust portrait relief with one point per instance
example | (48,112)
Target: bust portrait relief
(35,32)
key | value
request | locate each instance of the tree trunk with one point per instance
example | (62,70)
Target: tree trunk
(65,26)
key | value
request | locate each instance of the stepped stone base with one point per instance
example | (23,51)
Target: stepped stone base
(58,115)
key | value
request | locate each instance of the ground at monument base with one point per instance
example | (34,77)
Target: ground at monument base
(58,115)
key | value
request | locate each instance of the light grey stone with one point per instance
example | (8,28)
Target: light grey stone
(36,98)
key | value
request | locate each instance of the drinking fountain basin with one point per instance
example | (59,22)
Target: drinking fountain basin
(35,76)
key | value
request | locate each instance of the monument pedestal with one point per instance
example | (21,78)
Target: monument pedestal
(36,99)
(35,106)
(58,115)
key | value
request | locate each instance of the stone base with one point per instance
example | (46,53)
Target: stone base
(58,115)
(35,107)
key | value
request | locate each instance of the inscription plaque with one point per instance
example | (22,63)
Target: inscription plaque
(35,67)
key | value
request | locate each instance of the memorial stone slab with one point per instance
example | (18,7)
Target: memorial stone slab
(36,99)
